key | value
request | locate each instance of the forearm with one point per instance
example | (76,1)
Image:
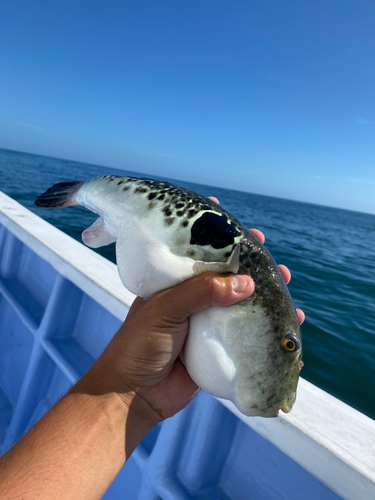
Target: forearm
(77,448)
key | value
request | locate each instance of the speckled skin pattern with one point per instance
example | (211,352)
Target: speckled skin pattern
(219,230)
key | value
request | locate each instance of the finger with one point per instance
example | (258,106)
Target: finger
(258,235)
(300,315)
(285,273)
(208,289)
(213,199)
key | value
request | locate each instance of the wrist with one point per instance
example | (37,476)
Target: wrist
(117,396)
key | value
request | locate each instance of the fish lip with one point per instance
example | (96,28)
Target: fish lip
(285,407)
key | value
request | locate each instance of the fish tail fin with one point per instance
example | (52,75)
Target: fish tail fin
(59,195)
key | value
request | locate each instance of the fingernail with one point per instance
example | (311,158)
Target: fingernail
(240,283)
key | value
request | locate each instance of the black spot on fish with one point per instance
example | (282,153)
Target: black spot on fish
(190,253)
(180,213)
(253,255)
(152,195)
(161,197)
(212,229)
(151,206)
(167,211)
(180,205)
(140,190)
(185,223)
(192,212)
(120,183)
(227,254)
(125,188)
(169,221)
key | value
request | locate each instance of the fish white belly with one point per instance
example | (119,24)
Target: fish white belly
(158,268)
(218,349)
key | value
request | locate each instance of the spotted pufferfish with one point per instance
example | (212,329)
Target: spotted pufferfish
(249,353)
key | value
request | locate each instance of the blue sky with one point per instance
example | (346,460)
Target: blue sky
(270,97)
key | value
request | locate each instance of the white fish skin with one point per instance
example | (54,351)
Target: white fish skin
(164,235)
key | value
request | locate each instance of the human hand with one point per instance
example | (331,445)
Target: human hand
(142,359)
(285,273)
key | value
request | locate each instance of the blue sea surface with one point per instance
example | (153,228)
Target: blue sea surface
(330,252)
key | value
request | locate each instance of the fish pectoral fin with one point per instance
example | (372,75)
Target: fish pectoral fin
(230,266)
(96,235)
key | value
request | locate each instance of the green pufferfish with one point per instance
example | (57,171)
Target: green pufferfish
(249,353)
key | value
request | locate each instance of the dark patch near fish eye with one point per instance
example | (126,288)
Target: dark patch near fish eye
(185,223)
(152,195)
(227,254)
(190,253)
(169,221)
(212,229)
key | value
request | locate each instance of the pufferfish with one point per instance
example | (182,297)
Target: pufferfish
(249,353)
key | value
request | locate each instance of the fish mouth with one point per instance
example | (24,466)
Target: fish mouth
(286,407)
(288,404)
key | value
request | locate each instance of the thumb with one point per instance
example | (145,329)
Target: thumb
(208,289)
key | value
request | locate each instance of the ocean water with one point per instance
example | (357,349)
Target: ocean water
(330,252)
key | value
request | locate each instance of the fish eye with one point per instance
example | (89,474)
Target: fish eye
(291,343)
